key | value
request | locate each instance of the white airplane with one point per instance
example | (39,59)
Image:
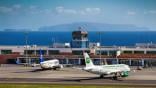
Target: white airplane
(49,64)
(118,70)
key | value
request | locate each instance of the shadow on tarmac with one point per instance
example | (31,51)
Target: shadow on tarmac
(78,79)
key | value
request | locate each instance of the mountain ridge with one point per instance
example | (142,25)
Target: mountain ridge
(89,26)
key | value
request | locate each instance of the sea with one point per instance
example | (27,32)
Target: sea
(48,38)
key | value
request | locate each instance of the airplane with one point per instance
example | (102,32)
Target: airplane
(49,64)
(118,70)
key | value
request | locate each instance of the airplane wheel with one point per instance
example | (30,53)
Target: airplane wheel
(57,68)
(115,77)
(54,68)
(101,76)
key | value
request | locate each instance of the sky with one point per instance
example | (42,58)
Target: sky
(32,14)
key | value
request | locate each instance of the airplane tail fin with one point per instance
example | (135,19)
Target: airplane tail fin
(88,61)
(41,56)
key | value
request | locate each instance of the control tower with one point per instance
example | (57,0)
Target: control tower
(80,39)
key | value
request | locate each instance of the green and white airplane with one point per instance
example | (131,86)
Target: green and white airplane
(117,70)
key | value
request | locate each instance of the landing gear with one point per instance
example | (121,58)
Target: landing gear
(101,76)
(115,77)
(56,68)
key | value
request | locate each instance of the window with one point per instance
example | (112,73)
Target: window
(127,52)
(151,52)
(138,52)
(53,52)
(6,51)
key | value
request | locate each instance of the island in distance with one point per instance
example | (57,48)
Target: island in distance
(89,26)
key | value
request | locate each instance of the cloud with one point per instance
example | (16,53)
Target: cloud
(17,9)
(71,11)
(85,11)
(92,10)
(5,9)
(150,12)
(82,12)
(61,10)
(47,11)
(11,9)
(16,6)
(131,13)
(33,9)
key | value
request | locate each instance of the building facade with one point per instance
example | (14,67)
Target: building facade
(139,55)
(126,55)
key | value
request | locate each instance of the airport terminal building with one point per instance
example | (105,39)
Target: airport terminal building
(72,52)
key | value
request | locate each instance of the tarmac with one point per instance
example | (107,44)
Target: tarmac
(69,75)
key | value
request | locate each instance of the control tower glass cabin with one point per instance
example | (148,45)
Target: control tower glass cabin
(80,39)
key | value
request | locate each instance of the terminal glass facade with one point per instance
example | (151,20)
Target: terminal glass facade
(6,51)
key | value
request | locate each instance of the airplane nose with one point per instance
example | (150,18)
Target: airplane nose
(128,69)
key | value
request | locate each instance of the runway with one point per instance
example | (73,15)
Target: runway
(21,74)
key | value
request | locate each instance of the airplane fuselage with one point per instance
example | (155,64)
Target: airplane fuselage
(109,69)
(50,64)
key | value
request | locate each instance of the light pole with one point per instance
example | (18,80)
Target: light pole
(100,45)
(26,43)
(105,62)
